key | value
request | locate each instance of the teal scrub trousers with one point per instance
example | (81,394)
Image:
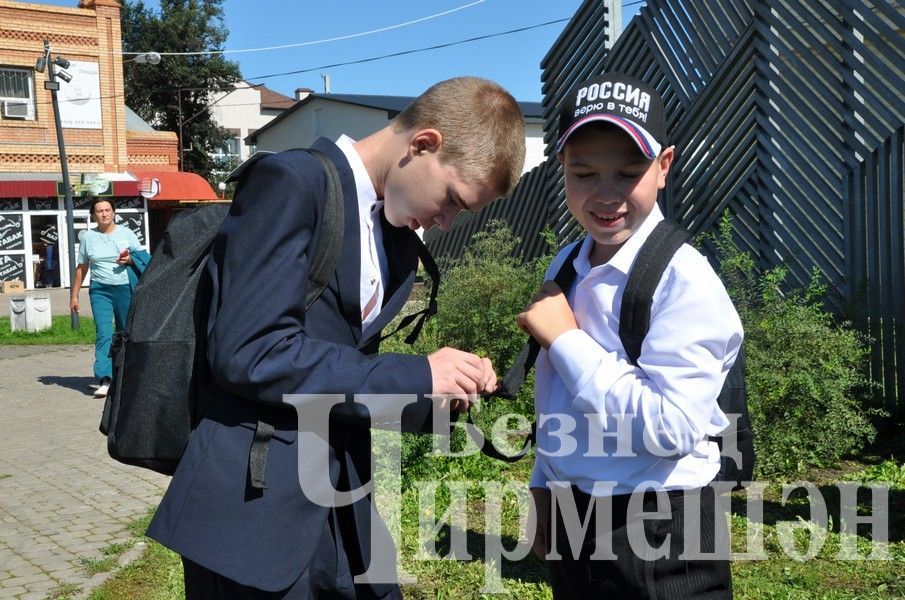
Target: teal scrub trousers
(109,304)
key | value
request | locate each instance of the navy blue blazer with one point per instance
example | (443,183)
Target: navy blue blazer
(262,344)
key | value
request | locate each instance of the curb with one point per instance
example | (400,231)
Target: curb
(99,579)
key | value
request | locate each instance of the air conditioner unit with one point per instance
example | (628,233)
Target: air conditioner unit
(17,109)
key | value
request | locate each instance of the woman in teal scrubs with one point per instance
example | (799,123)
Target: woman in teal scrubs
(106,253)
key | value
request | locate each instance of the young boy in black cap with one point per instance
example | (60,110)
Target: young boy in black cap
(619,439)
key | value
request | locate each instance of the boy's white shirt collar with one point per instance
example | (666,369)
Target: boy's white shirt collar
(367,195)
(625,257)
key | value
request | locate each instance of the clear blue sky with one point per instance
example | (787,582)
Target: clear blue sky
(513,60)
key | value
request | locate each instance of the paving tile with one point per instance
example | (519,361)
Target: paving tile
(66,499)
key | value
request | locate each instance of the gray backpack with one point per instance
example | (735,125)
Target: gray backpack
(159,390)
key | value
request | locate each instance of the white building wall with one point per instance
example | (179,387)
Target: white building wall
(240,112)
(320,118)
(534,144)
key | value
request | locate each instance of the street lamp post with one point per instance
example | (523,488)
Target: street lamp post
(54,86)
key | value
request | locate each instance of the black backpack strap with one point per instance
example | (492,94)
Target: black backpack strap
(326,256)
(257,455)
(515,376)
(488,449)
(431,309)
(656,252)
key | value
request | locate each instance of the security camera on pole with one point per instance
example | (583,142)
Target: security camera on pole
(53,85)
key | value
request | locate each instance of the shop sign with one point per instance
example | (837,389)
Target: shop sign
(12,267)
(12,236)
(42,204)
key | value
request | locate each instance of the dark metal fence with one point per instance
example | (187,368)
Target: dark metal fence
(789,114)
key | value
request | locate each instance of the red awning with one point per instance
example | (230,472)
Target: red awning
(34,188)
(126,188)
(46,188)
(174,186)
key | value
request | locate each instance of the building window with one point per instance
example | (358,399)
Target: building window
(232,146)
(318,115)
(252,148)
(17,97)
(228,156)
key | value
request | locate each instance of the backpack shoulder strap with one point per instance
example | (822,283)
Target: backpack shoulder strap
(329,247)
(512,382)
(655,254)
(516,374)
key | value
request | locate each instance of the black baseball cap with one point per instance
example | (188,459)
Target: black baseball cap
(622,100)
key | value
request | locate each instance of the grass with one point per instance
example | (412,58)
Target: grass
(5,475)
(157,575)
(111,555)
(60,333)
(65,591)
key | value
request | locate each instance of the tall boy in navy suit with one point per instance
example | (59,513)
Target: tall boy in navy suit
(458,146)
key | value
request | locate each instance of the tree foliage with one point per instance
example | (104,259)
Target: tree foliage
(179,89)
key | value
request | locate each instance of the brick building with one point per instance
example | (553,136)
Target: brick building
(111,152)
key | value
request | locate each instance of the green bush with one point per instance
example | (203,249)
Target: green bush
(807,388)
(482,293)
(480,296)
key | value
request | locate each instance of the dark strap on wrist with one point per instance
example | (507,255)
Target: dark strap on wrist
(512,382)
(488,449)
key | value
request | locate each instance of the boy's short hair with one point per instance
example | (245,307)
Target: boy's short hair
(482,126)
(619,99)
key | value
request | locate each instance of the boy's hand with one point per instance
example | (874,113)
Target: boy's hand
(461,374)
(541,508)
(548,316)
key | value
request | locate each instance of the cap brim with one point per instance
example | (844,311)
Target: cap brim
(646,143)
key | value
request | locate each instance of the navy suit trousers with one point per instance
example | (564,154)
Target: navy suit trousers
(327,576)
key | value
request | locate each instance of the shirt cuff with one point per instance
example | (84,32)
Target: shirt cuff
(575,356)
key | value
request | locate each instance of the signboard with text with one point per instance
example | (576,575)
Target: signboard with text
(135,222)
(12,267)
(80,99)
(12,236)
(42,204)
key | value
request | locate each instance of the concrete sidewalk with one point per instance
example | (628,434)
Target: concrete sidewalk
(62,499)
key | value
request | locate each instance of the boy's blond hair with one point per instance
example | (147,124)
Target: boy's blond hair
(482,127)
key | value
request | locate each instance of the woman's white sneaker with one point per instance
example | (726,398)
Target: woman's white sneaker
(103,388)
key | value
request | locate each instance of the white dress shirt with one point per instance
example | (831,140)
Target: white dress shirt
(636,425)
(374,270)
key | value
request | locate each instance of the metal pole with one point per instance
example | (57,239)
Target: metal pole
(53,85)
(179,97)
